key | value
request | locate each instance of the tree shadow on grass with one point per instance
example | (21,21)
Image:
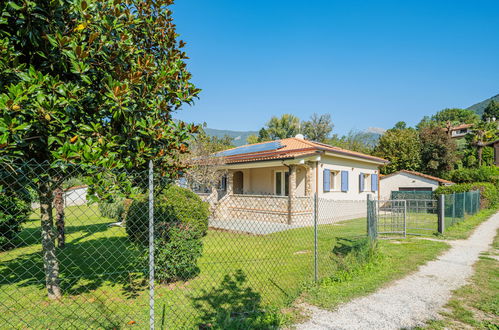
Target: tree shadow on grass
(85,264)
(233,305)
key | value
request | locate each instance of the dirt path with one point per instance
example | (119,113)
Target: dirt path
(414,299)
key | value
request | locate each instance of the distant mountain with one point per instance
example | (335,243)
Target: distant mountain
(238,136)
(480,107)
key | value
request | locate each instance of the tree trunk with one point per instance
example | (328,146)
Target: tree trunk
(59,219)
(50,262)
(480,152)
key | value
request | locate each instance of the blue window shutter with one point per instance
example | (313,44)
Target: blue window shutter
(327,180)
(361,182)
(344,181)
(374,182)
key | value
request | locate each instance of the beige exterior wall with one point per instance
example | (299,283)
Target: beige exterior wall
(260,181)
(404,180)
(354,169)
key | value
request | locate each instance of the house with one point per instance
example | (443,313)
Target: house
(495,145)
(276,181)
(460,131)
(405,180)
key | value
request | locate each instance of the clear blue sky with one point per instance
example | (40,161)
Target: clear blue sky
(368,63)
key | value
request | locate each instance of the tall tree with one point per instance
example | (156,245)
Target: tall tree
(364,142)
(89,82)
(281,127)
(402,148)
(438,151)
(251,139)
(318,128)
(482,134)
(448,118)
(491,111)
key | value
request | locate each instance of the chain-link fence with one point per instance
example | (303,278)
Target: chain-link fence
(460,205)
(412,195)
(401,217)
(89,248)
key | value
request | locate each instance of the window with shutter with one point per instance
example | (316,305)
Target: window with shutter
(326,180)
(344,181)
(374,182)
(361,182)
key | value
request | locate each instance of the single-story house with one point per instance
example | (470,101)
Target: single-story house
(460,131)
(405,180)
(275,181)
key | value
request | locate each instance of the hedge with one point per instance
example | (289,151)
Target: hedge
(488,191)
(13,213)
(471,175)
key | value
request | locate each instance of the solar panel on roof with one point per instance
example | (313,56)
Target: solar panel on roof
(274,145)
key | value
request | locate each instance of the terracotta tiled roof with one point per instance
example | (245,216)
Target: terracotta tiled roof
(462,126)
(434,178)
(296,147)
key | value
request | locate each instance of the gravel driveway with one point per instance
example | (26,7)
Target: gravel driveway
(414,299)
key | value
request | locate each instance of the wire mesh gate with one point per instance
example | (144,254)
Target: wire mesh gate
(402,217)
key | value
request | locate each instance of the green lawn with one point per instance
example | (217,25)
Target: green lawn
(475,305)
(242,275)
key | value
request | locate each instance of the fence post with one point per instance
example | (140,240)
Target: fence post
(441,213)
(464,205)
(151,246)
(405,218)
(316,252)
(371,219)
(453,208)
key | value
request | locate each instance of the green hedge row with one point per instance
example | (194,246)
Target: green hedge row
(489,194)
(471,175)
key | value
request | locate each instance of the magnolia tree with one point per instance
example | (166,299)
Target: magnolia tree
(89,82)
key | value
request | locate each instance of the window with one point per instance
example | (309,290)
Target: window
(334,180)
(364,182)
(281,183)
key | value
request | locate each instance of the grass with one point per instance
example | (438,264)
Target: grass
(464,228)
(245,281)
(393,260)
(475,305)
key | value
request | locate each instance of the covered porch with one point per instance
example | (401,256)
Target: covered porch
(274,192)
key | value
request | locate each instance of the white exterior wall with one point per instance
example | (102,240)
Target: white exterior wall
(404,180)
(354,169)
(75,196)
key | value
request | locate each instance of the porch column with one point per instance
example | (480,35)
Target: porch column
(292,192)
(230,183)
(308,181)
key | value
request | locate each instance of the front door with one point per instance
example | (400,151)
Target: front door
(281,183)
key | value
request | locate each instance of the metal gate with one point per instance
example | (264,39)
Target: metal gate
(422,216)
(389,217)
(403,217)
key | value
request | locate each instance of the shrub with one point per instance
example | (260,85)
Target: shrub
(180,221)
(470,175)
(488,191)
(116,209)
(13,213)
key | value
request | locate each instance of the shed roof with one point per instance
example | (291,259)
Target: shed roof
(426,176)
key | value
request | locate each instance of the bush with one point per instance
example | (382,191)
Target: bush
(180,221)
(13,213)
(470,175)
(116,209)
(488,191)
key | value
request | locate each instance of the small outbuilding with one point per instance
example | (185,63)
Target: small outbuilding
(409,181)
